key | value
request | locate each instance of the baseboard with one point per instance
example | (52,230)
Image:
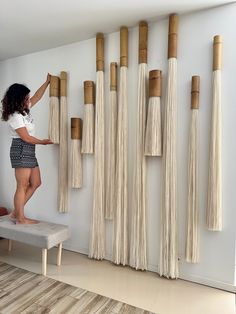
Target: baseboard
(71,247)
(210,283)
(153,268)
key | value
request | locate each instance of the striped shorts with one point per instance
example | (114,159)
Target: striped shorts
(22,154)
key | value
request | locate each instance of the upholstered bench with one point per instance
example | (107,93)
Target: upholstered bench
(44,235)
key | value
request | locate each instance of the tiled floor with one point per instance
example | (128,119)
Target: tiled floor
(141,289)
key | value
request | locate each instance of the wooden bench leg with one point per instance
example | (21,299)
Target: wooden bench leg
(59,254)
(44,261)
(9,245)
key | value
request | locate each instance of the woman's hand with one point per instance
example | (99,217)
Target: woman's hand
(48,78)
(46,141)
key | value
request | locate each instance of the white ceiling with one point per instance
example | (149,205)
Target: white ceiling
(32,25)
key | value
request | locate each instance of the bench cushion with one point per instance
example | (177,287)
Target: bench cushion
(44,234)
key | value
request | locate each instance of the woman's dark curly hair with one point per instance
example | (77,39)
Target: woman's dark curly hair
(14,101)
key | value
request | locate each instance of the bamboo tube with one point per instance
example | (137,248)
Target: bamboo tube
(143,41)
(173,36)
(111,158)
(153,141)
(195,90)
(155,82)
(124,35)
(100,52)
(192,237)
(120,230)
(214,199)
(63,147)
(54,88)
(54,117)
(113,76)
(138,247)
(76,128)
(168,264)
(88,125)
(217,53)
(63,85)
(97,234)
(76,158)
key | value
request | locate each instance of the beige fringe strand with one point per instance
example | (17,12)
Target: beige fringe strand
(76,164)
(54,118)
(153,141)
(168,265)
(63,157)
(111,156)
(138,249)
(97,234)
(120,231)
(192,241)
(214,201)
(88,130)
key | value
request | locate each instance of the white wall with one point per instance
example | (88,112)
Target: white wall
(195,57)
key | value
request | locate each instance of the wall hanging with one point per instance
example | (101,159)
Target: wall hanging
(54,115)
(138,249)
(63,147)
(214,197)
(168,264)
(76,170)
(192,238)
(111,155)
(97,233)
(88,125)
(153,140)
(120,230)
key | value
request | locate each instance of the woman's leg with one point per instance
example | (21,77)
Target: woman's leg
(22,179)
(34,183)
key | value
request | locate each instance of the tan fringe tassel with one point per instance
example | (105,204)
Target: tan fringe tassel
(153,142)
(88,130)
(88,125)
(138,250)
(214,203)
(192,241)
(120,231)
(97,235)
(76,164)
(54,117)
(63,148)
(111,157)
(168,266)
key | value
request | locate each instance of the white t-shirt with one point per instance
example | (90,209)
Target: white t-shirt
(17,120)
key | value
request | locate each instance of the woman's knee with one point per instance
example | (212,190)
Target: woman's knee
(22,178)
(22,185)
(35,184)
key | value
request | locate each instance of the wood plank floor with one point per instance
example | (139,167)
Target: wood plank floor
(22,291)
(144,290)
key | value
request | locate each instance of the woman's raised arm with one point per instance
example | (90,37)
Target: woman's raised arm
(39,94)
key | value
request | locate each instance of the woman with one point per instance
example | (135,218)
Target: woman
(16,106)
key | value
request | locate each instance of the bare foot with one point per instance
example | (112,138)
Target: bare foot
(26,221)
(12,215)
(23,220)
(33,220)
